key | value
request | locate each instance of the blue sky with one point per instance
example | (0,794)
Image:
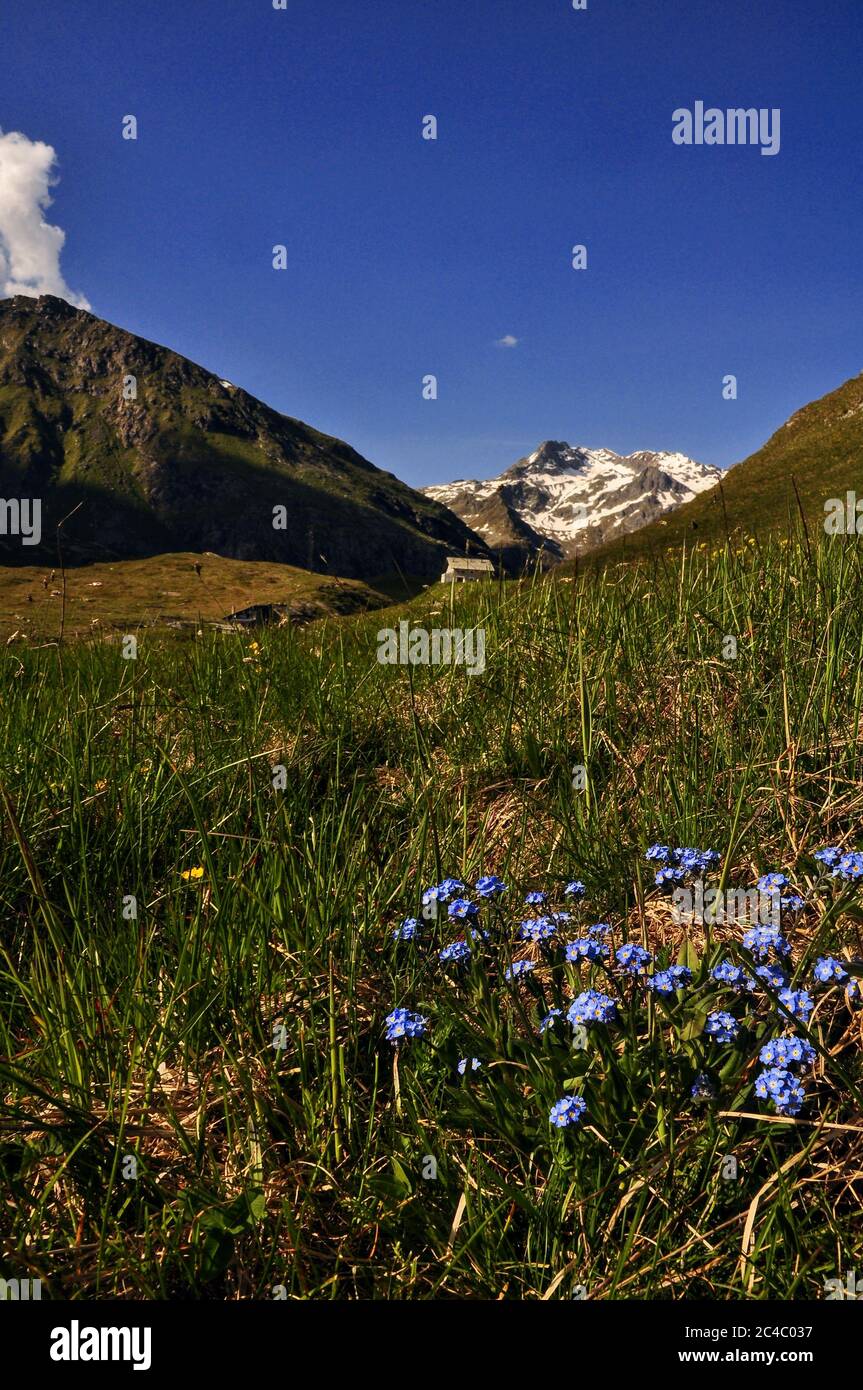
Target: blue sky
(408,257)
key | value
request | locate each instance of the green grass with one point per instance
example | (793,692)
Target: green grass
(303,1167)
(784,485)
(42,603)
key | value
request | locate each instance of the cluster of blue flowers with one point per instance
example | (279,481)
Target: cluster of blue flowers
(727,973)
(518,969)
(676,865)
(401,1023)
(736,977)
(591,1007)
(567,1111)
(772,883)
(778,1082)
(772,975)
(586,948)
(541,928)
(783,1088)
(829,971)
(772,886)
(456,951)
(462,908)
(762,940)
(797,1002)
(633,959)
(490,887)
(847,865)
(407,931)
(632,967)
(668,981)
(443,892)
(721,1026)
(785,1052)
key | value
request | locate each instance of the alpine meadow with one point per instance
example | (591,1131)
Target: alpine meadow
(431,677)
(204,891)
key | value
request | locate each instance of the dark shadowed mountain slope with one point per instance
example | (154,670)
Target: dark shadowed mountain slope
(192,463)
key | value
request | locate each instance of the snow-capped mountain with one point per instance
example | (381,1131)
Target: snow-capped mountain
(564,499)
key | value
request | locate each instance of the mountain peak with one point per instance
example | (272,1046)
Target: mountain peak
(40,304)
(550,449)
(146,452)
(564,499)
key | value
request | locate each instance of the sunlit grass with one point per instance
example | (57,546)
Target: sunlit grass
(302,1166)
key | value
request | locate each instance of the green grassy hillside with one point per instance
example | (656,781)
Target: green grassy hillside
(816,455)
(206,853)
(39,603)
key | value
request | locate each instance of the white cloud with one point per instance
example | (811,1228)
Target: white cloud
(29,246)
(507,341)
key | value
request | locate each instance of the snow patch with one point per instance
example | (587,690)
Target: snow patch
(560,489)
